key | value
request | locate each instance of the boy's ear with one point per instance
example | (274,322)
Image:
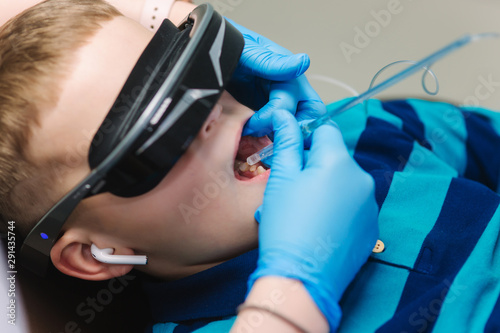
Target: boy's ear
(73,257)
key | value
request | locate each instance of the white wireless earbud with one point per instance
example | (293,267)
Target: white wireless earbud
(107,256)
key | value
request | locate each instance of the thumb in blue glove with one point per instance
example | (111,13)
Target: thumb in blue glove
(318,222)
(267,60)
(296,95)
(269,77)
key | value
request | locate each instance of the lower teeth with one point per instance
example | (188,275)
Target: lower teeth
(244,169)
(243,166)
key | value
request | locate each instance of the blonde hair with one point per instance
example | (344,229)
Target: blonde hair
(36,49)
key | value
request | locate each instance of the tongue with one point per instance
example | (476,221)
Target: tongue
(250,145)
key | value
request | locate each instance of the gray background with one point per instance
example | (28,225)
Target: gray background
(414,29)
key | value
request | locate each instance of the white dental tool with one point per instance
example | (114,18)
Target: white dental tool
(426,62)
(107,256)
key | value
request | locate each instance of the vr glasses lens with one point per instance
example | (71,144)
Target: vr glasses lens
(168,96)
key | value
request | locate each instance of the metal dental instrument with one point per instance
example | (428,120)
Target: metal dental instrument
(426,62)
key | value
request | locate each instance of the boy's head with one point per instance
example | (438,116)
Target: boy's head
(66,72)
(36,53)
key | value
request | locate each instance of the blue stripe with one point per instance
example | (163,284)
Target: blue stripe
(467,209)
(410,208)
(483,146)
(493,324)
(374,108)
(164,328)
(475,289)
(372,297)
(493,116)
(382,149)
(411,123)
(352,122)
(222,326)
(188,328)
(445,130)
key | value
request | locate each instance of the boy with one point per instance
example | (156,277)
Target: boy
(58,129)
(419,283)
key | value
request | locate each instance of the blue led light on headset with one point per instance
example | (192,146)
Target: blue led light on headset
(180,77)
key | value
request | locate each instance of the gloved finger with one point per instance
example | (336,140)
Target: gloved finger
(267,161)
(288,143)
(310,109)
(277,120)
(284,95)
(258,214)
(260,123)
(268,44)
(264,58)
(267,64)
(278,67)
(310,105)
(326,147)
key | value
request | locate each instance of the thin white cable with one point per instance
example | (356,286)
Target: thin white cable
(411,62)
(333,81)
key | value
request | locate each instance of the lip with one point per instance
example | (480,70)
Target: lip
(259,178)
(262,177)
(237,139)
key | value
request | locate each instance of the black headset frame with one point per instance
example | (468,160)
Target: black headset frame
(178,80)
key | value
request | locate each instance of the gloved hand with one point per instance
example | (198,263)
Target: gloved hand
(294,94)
(318,222)
(261,65)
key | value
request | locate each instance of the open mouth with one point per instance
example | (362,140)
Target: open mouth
(249,145)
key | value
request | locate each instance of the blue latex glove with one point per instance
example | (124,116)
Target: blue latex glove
(254,82)
(296,95)
(318,222)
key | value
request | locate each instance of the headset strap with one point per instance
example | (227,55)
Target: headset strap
(154,12)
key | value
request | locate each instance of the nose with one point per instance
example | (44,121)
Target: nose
(209,125)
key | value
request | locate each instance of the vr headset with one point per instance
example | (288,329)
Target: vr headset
(166,99)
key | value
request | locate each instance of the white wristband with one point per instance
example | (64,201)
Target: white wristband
(154,12)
